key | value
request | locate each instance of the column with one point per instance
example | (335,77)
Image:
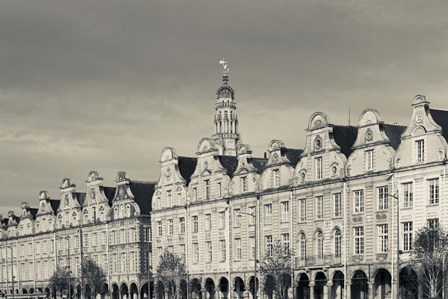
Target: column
(312,289)
(204,293)
(348,291)
(328,289)
(371,289)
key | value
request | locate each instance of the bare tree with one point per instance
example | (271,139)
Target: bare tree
(429,256)
(92,276)
(59,281)
(171,271)
(276,269)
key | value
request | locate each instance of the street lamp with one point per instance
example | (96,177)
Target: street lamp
(12,271)
(397,269)
(254,215)
(68,267)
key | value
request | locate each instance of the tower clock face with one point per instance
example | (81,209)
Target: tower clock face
(92,193)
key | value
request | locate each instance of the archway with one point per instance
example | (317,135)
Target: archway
(382,284)
(210,288)
(47,292)
(183,289)
(115,291)
(134,291)
(269,286)
(160,290)
(285,285)
(254,286)
(223,288)
(124,291)
(239,287)
(359,288)
(337,290)
(104,291)
(79,290)
(303,286)
(24,291)
(320,286)
(195,289)
(408,283)
(32,291)
(87,291)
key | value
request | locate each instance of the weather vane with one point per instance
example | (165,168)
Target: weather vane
(225,67)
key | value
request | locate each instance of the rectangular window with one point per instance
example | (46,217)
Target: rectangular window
(182,225)
(219,190)
(170,198)
(159,229)
(369,159)
(208,222)
(383,238)
(408,236)
(195,253)
(182,251)
(285,242)
(195,221)
(319,207)
(408,195)
(222,220)
(318,168)
(302,210)
(237,217)
(276,178)
(433,185)
(383,198)
(268,243)
(170,227)
(359,239)
(244,185)
(337,202)
(237,249)
(222,250)
(420,150)
(209,249)
(195,194)
(359,201)
(285,211)
(207,189)
(433,223)
(252,247)
(268,213)
(252,218)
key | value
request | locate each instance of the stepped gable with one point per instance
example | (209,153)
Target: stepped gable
(292,154)
(187,167)
(441,118)
(393,132)
(345,137)
(230,163)
(143,192)
(259,164)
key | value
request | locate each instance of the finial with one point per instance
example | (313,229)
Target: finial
(225,76)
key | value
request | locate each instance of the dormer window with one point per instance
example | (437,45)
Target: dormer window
(420,150)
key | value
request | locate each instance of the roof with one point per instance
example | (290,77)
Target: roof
(81,196)
(292,154)
(55,204)
(345,137)
(110,193)
(230,163)
(187,166)
(259,164)
(33,212)
(441,118)
(143,192)
(394,132)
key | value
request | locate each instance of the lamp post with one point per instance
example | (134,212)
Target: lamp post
(149,262)
(12,271)
(68,267)
(254,215)
(397,266)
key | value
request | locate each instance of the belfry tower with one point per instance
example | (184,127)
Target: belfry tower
(227,136)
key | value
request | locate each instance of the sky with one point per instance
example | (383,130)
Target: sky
(106,84)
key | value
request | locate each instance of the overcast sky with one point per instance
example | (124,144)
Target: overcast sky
(105,85)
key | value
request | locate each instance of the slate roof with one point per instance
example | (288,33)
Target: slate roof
(441,118)
(81,196)
(33,212)
(259,163)
(187,166)
(230,163)
(110,193)
(143,192)
(394,132)
(292,154)
(4,221)
(55,204)
(345,137)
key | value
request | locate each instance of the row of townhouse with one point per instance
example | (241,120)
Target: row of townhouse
(110,225)
(340,204)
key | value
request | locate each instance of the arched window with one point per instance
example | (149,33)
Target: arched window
(320,245)
(302,247)
(128,210)
(337,242)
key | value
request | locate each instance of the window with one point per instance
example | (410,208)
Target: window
(407,236)
(182,225)
(276,178)
(170,198)
(302,208)
(195,224)
(433,223)
(207,189)
(359,239)
(222,250)
(383,198)
(244,186)
(268,242)
(170,227)
(285,211)
(219,190)
(195,253)
(320,245)
(209,249)
(359,201)
(319,207)
(268,213)
(237,217)
(407,195)
(337,203)
(195,194)
(252,218)
(302,247)
(420,150)
(182,251)
(237,249)
(252,247)
(159,229)
(383,238)
(208,222)
(285,242)
(222,219)
(369,159)
(337,242)
(433,191)
(318,168)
